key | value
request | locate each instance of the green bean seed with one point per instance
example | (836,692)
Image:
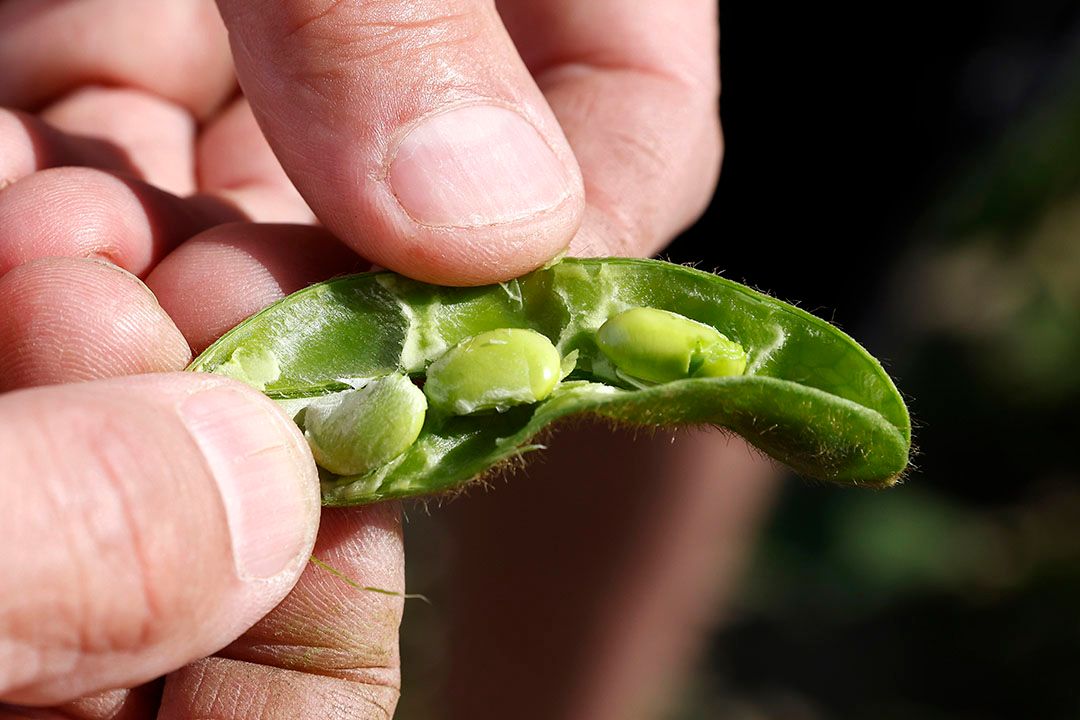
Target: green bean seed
(494,370)
(352,432)
(660,346)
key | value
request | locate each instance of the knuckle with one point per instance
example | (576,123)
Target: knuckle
(347,34)
(207,688)
(362,650)
(679,162)
(629,231)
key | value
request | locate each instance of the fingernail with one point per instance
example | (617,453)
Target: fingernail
(476,165)
(267,483)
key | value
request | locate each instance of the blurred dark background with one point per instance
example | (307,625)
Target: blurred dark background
(912,172)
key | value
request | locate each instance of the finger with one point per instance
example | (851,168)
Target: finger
(222,276)
(77,212)
(152,520)
(236,163)
(120,704)
(156,135)
(28,145)
(175,49)
(67,320)
(328,650)
(413,130)
(637,566)
(635,87)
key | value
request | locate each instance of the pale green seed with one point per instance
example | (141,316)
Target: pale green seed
(353,432)
(494,370)
(660,346)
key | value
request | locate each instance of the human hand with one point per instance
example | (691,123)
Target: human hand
(128,553)
(648,172)
(343,91)
(150,520)
(436,142)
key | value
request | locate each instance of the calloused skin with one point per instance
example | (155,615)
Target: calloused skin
(157,525)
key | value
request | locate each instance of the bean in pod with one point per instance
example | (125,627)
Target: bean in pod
(354,431)
(494,370)
(661,346)
(642,342)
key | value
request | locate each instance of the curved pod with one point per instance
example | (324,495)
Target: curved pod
(810,396)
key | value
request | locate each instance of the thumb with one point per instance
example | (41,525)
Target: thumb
(413,130)
(147,521)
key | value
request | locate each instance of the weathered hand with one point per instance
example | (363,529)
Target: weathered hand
(427,137)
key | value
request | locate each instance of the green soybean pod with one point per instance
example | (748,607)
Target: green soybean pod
(661,346)
(357,430)
(494,370)
(808,396)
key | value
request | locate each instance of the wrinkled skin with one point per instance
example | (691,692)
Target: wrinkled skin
(157,525)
